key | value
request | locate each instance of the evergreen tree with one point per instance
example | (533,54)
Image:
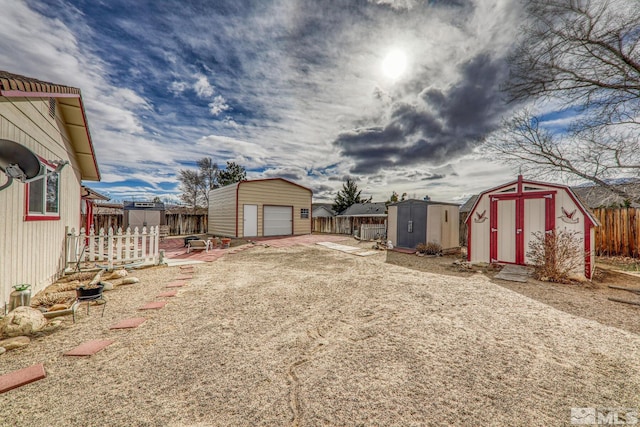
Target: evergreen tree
(348,196)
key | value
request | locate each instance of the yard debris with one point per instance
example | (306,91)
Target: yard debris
(624,301)
(622,288)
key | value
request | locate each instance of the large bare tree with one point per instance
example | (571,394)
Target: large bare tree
(209,173)
(523,143)
(582,56)
(191,187)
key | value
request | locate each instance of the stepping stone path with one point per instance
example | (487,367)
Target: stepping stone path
(36,372)
(153,305)
(89,348)
(167,294)
(21,377)
(134,322)
(175,285)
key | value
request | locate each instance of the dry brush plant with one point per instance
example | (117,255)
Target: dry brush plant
(557,256)
(431,248)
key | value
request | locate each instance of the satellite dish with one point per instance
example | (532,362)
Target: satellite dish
(18,162)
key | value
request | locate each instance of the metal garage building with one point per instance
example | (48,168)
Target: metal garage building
(503,220)
(412,222)
(262,207)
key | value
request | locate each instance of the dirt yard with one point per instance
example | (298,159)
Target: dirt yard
(310,336)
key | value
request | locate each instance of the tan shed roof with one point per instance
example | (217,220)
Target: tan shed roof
(74,118)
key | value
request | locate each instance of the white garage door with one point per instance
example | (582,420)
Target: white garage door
(278,220)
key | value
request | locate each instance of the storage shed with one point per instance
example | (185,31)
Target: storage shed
(143,214)
(261,207)
(503,221)
(412,222)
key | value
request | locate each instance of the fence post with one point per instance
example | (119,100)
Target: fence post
(110,239)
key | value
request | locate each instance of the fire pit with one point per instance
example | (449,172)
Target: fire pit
(90,294)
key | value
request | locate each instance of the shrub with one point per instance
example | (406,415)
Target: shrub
(431,248)
(557,256)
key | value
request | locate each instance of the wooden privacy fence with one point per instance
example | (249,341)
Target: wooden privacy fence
(347,224)
(111,249)
(619,232)
(180,224)
(323,224)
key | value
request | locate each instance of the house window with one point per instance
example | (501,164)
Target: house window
(43,197)
(304,213)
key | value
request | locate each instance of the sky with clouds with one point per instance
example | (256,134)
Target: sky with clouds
(286,88)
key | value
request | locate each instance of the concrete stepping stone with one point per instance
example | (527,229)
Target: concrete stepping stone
(186,267)
(185,277)
(89,348)
(175,285)
(21,377)
(153,305)
(134,322)
(167,294)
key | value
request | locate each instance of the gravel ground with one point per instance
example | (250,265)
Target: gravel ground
(309,336)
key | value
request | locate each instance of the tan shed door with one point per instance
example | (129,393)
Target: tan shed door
(278,220)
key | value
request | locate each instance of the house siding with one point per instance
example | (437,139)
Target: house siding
(24,243)
(222,211)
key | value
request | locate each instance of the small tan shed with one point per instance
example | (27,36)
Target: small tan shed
(261,207)
(412,222)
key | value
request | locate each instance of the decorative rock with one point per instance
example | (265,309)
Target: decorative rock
(118,274)
(57,307)
(130,280)
(2,350)
(107,286)
(52,326)
(16,342)
(22,321)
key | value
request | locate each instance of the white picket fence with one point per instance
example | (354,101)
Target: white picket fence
(111,249)
(373,231)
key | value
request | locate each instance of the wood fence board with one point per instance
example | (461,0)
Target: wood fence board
(619,232)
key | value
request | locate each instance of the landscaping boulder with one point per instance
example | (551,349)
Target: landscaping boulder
(2,350)
(130,280)
(22,321)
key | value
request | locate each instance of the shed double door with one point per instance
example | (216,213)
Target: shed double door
(515,222)
(412,224)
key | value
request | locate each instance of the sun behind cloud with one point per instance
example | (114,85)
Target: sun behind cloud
(394,64)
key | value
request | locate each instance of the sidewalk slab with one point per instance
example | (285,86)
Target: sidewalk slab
(21,377)
(134,322)
(153,305)
(89,348)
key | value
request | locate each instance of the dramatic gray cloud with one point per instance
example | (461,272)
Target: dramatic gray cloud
(441,125)
(290,88)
